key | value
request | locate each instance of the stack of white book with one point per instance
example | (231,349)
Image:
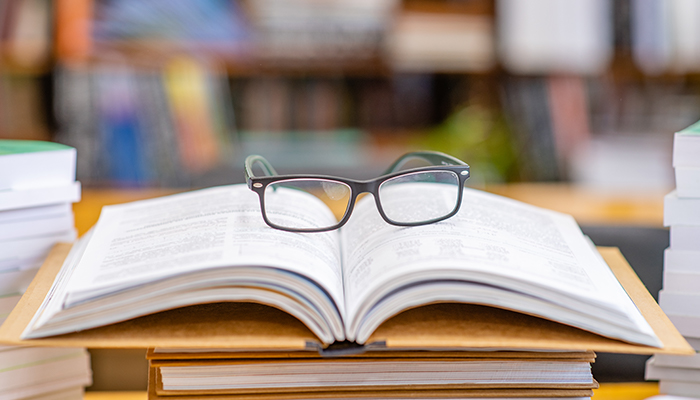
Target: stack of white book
(37,187)
(680,297)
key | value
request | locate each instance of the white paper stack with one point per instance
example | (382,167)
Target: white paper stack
(37,189)
(680,297)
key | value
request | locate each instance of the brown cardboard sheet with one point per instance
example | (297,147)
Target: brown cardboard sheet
(221,354)
(346,361)
(253,327)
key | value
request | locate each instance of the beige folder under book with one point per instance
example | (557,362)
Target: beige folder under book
(254,327)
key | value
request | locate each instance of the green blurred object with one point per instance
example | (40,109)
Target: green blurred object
(481,138)
(8,146)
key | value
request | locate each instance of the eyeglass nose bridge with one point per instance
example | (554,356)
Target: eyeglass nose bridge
(370,186)
(359,188)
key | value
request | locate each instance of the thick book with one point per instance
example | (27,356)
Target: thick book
(673,388)
(279,376)
(35,173)
(36,222)
(677,375)
(681,281)
(37,197)
(209,273)
(41,373)
(406,393)
(26,372)
(28,253)
(188,373)
(684,237)
(681,210)
(687,181)
(686,147)
(680,260)
(33,164)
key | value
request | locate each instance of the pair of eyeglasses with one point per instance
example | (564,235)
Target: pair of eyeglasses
(403,196)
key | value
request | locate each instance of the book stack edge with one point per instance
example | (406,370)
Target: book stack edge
(37,187)
(679,298)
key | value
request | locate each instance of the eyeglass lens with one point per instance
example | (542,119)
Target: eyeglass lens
(419,197)
(311,199)
(415,197)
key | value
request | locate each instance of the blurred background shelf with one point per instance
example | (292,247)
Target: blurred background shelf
(157,95)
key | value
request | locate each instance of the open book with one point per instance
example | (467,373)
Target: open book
(212,245)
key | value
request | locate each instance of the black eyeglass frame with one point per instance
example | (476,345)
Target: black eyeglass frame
(440,161)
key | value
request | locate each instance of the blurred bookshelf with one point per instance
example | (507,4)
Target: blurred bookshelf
(25,68)
(175,94)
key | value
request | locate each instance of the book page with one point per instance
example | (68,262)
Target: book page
(136,243)
(493,241)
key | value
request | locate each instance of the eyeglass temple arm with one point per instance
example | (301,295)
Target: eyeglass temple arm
(433,157)
(260,160)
